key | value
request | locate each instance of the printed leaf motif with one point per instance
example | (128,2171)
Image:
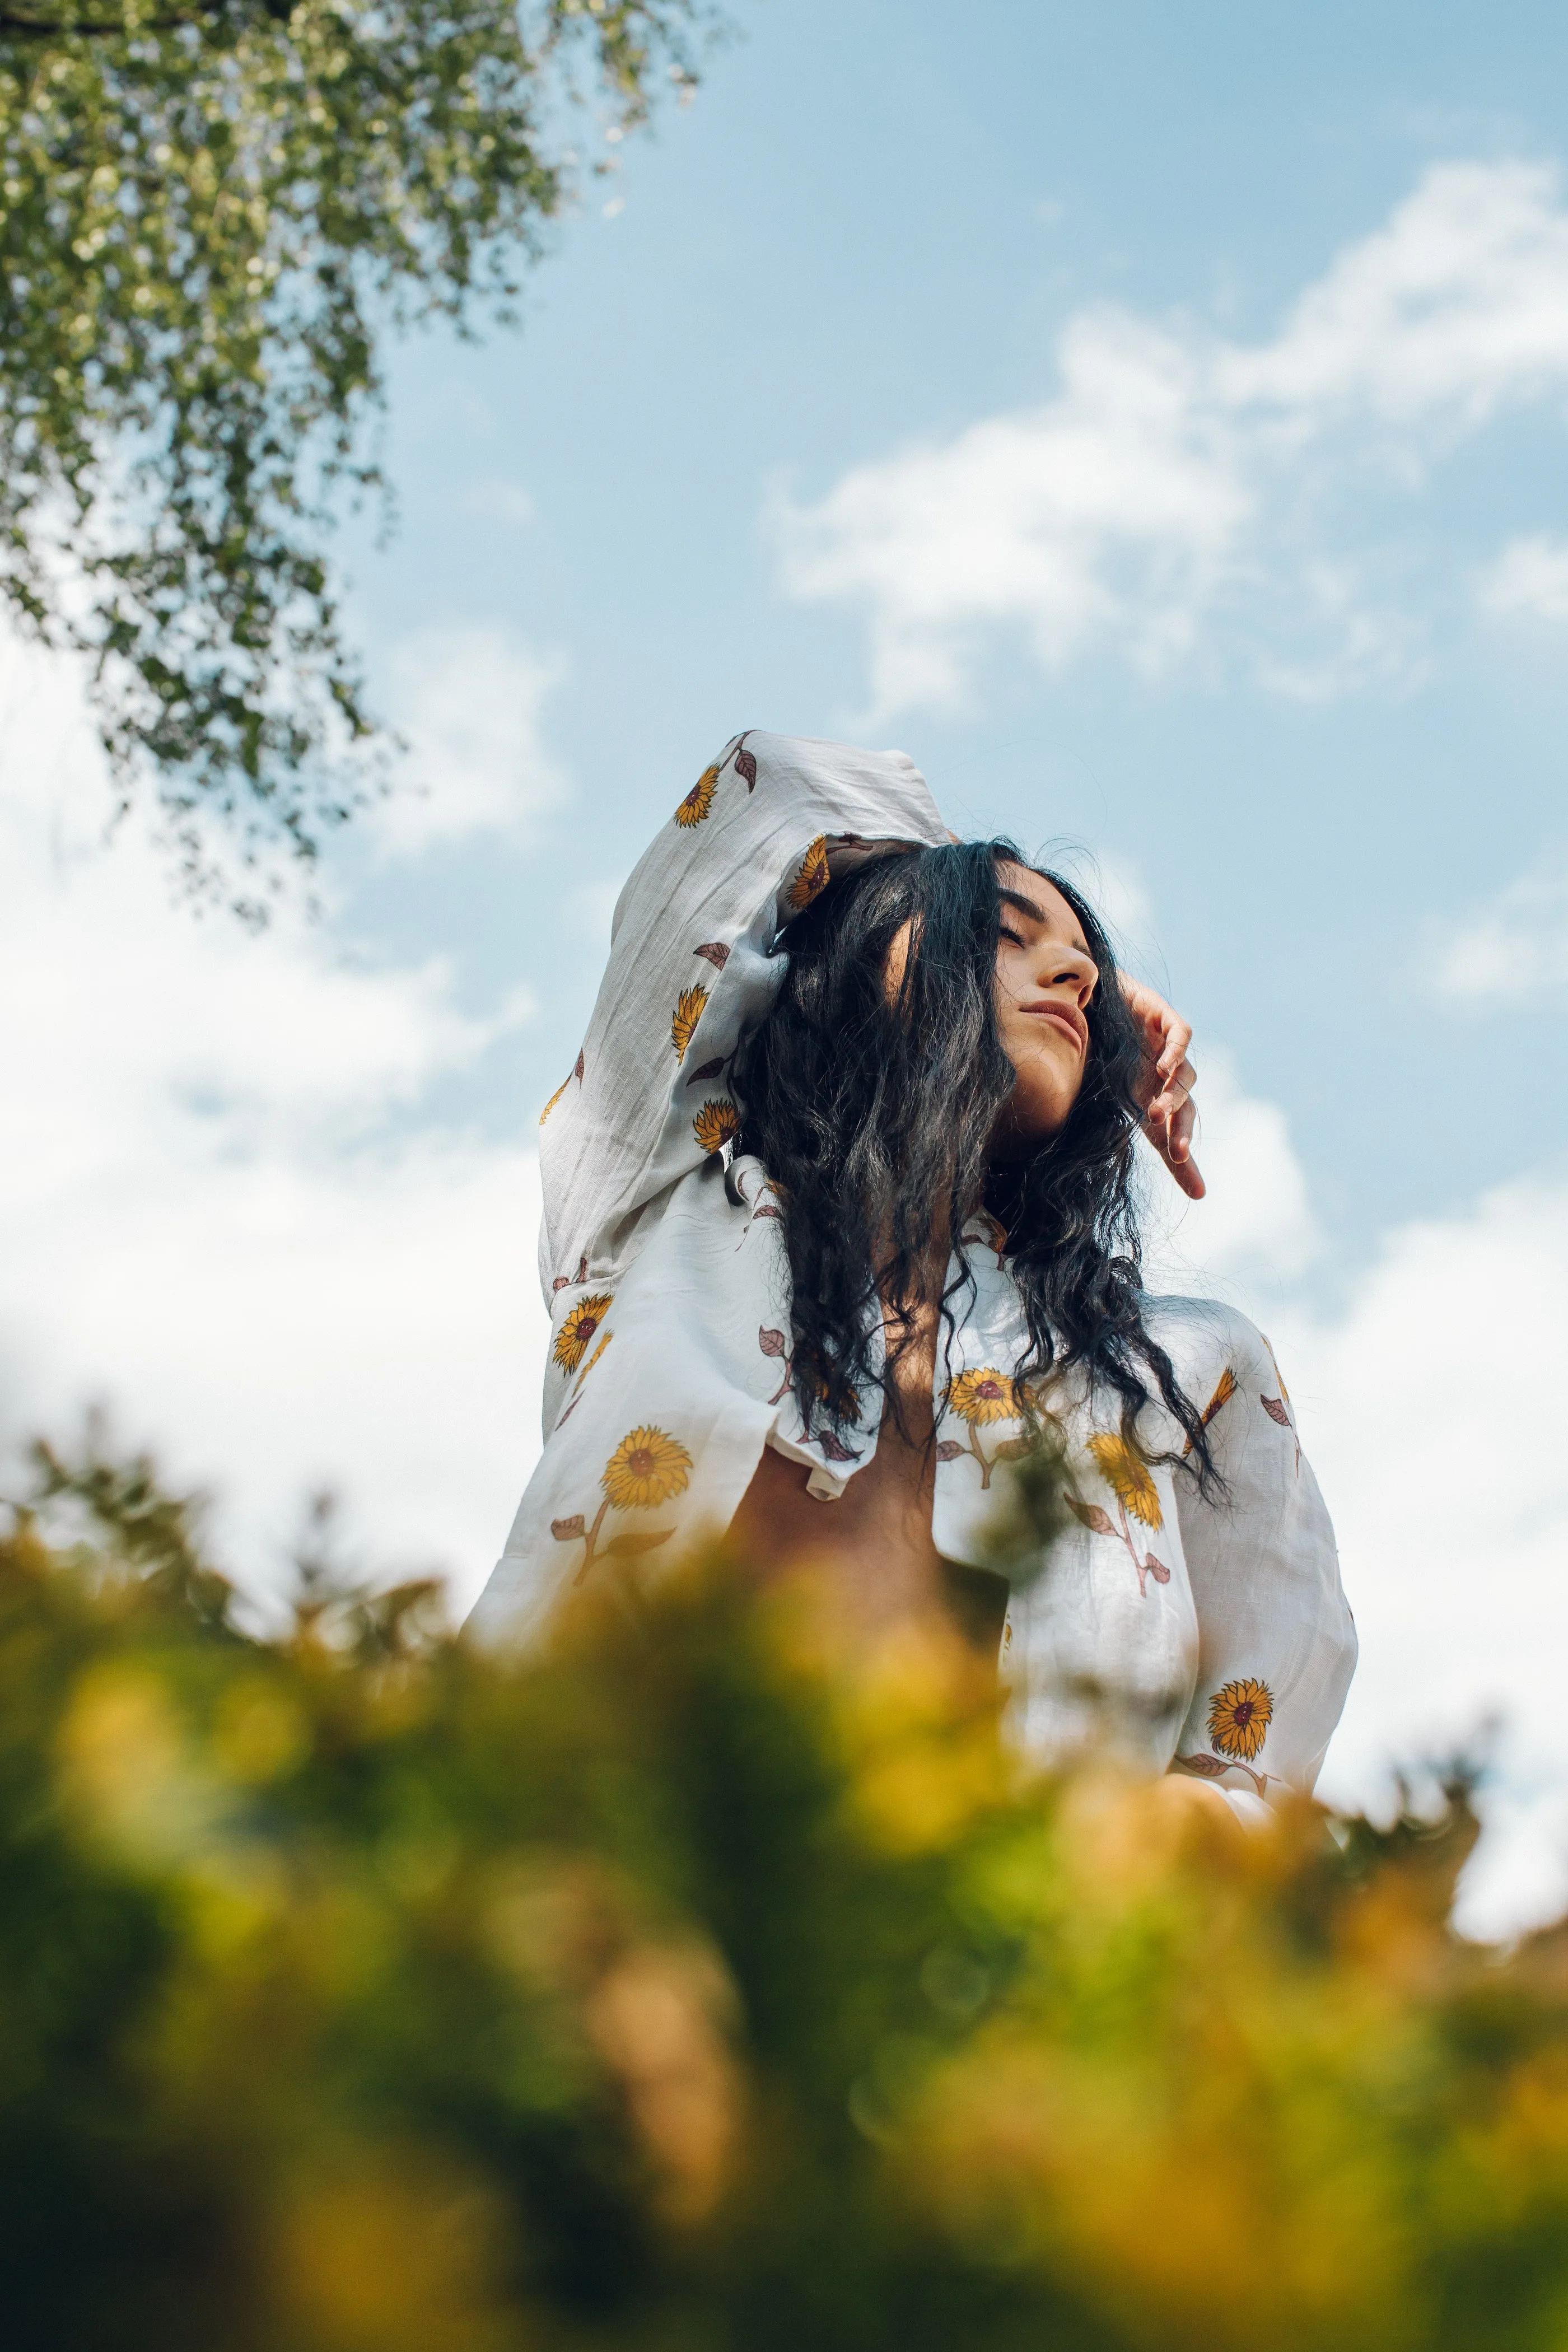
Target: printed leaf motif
(746,765)
(771,1343)
(1157,1569)
(627,1546)
(578,1067)
(833,1449)
(1276,1410)
(1207,1768)
(717,954)
(564,1281)
(767,1210)
(948,1451)
(1013,1449)
(1096,1521)
(569,1530)
(708,1070)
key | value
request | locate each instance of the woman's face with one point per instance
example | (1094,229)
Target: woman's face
(1044,979)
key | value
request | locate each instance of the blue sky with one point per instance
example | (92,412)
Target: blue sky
(1152,419)
(873,229)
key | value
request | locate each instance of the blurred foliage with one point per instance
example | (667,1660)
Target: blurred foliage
(359,1992)
(210,210)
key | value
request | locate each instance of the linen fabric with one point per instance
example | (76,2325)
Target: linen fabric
(1210,1634)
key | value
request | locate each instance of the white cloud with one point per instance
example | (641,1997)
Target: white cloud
(1255,1227)
(1530,578)
(1432,1411)
(216,1221)
(1430,1401)
(495,499)
(1512,951)
(469,702)
(1174,476)
(213,1221)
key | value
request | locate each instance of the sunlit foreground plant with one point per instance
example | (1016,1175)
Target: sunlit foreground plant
(359,1992)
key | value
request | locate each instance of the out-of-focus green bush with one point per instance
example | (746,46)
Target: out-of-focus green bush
(361,1993)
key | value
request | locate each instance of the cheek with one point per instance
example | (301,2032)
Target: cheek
(1048,1082)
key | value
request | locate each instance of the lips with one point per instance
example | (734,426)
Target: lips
(1066,1017)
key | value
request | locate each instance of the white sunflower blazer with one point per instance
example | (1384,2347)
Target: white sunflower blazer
(1210,1635)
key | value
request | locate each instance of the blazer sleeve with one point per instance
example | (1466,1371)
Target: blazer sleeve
(694,963)
(1277,1644)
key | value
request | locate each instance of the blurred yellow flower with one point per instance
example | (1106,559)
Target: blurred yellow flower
(980,1396)
(699,800)
(812,877)
(689,1008)
(1128,1479)
(573,1339)
(647,1467)
(716,1123)
(1240,1717)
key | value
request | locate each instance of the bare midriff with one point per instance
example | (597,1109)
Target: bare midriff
(874,1544)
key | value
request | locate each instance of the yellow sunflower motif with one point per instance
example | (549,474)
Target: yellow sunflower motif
(1240,1717)
(689,1010)
(647,1467)
(699,800)
(576,1333)
(1224,1389)
(716,1123)
(981,1396)
(1128,1479)
(812,877)
(554,1098)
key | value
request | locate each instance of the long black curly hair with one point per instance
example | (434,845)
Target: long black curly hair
(874,1118)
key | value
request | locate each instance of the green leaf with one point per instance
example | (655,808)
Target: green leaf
(210,221)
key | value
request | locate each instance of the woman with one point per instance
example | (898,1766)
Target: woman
(836,1227)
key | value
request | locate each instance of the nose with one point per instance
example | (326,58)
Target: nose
(1071,969)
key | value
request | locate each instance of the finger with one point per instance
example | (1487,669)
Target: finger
(1178,1037)
(1172,1140)
(1179,1131)
(1186,1175)
(1175,1092)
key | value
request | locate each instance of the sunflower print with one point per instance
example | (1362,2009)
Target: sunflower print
(1224,1389)
(813,877)
(981,1396)
(576,1333)
(1128,1479)
(689,1010)
(977,1398)
(646,1468)
(716,1123)
(1240,1717)
(574,1072)
(699,800)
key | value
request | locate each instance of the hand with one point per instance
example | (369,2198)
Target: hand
(1169,1079)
